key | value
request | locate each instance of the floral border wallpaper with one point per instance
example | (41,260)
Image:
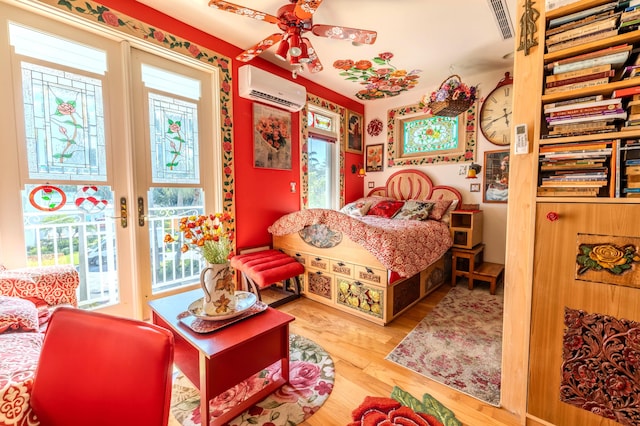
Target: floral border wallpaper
(115,20)
(600,363)
(304,157)
(470,139)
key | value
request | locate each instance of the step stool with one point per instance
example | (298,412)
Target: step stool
(491,272)
(265,268)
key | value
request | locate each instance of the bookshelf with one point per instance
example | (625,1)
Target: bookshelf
(586,147)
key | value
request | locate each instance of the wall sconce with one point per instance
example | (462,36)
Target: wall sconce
(474,170)
(359,169)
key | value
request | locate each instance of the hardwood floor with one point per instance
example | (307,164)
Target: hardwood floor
(358,349)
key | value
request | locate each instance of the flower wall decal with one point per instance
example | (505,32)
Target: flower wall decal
(380,78)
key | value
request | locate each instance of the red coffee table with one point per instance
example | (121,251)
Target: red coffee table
(217,361)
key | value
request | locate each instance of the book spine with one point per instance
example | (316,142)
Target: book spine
(613,116)
(586,111)
(578,73)
(580,79)
(616,102)
(611,55)
(582,31)
(627,91)
(576,86)
(592,98)
(581,40)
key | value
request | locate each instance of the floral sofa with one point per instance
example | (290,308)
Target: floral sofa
(27,298)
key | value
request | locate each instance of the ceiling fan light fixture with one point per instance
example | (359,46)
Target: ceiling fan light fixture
(304,56)
(283,48)
(295,49)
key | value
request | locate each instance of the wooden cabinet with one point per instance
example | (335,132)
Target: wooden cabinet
(466,228)
(557,285)
(570,223)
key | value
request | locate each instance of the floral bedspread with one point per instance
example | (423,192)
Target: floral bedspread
(403,246)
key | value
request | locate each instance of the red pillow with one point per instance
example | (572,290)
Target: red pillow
(386,209)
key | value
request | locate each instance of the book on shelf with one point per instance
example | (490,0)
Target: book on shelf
(567,192)
(586,183)
(575,146)
(579,129)
(580,79)
(588,38)
(554,4)
(581,103)
(578,73)
(584,99)
(629,72)
(607,23)
(585,110)
(582,14)
(614,55)
(579,23)
(614,115)
(627,91)
(576,86)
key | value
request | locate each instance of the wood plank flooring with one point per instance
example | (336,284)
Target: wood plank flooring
(358,349)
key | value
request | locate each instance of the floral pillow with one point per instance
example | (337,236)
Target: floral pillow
(358,208)
(441,208)
(415,210)
(17,314)
(386,209)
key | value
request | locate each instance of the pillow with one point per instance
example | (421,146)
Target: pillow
(358,208)
(439,209)
(415,210)
(386,209)
(17,314)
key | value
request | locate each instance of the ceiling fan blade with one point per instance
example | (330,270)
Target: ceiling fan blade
(306,8)
(354,35)
(314,64)
(244,11)
(256,50)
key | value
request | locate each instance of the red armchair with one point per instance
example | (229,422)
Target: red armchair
(27,297)
(102,370)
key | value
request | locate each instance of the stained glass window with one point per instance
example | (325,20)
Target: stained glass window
(430,135)
(64,124)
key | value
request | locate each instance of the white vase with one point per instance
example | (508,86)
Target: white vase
(219,291)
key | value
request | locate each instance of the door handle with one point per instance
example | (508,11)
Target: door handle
(141,216)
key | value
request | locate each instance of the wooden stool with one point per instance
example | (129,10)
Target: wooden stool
(474,257)
(492,272)
(264,268)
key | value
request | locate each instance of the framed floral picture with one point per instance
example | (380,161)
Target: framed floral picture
(271,138)
(496,176)
(374,157)
(354,133)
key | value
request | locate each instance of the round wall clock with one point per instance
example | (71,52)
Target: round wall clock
(496,113)
(374,127)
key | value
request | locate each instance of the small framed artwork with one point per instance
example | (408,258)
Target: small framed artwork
(474,187)
(354,133)
(496,176)
(374,157)
(271,138)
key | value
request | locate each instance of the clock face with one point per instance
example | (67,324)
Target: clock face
(496,116)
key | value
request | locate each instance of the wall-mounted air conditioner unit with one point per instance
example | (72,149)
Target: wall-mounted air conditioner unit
(262,86)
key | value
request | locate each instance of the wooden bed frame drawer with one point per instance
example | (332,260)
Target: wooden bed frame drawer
(317,262)
(371,275)
(361,297)
(342,269)
(300,257)
(319,285)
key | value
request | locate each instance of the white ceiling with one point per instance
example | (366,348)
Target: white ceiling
(436,36)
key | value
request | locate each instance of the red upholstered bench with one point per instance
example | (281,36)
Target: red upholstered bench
(264,268)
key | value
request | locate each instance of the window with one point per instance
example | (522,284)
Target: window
(322,154)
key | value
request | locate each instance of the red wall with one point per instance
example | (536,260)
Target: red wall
(262,195)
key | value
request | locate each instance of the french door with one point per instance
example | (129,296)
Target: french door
(113,143)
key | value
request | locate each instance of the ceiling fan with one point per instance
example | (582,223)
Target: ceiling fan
(294,20)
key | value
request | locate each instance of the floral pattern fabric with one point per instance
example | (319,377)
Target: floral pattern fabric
(311,377)
(403,246)
(55,285)
(17,315)
(601,360)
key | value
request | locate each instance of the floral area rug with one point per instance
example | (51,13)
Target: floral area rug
(459,343)
(403,409)
(311,377)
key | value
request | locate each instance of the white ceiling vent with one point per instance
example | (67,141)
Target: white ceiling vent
(503,19)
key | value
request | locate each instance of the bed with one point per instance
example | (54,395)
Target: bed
(365,259)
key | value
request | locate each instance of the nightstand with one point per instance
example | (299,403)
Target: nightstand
(466,228)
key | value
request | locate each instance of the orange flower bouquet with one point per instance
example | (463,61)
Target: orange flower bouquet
(208,234)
